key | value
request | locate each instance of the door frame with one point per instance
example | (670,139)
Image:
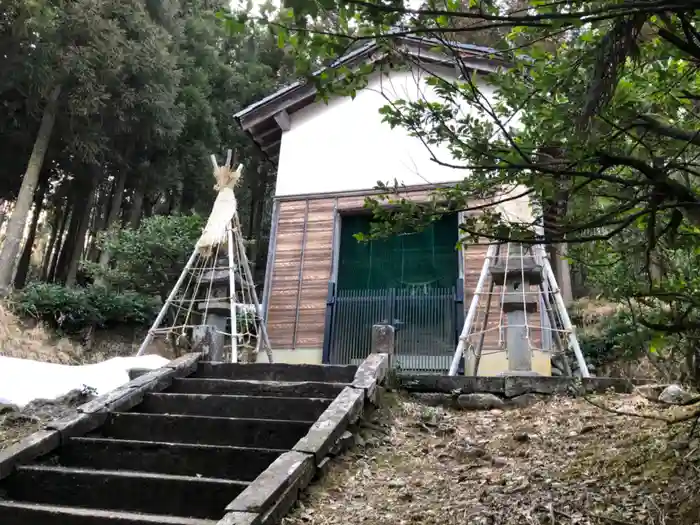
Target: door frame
(332,283)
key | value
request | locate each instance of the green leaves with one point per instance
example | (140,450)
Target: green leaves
(150,258)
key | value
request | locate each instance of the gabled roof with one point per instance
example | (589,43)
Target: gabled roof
(266,119)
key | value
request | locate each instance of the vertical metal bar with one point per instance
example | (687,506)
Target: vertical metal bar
(271,256)
(164,310)
(392,316)
(328,331)
(471,314)
(485,324)
(335,241)
(232,299)
(301,275)
(566,321)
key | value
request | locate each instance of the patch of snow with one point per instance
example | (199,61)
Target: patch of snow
(24,380)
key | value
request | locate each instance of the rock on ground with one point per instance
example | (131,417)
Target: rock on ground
(676,395)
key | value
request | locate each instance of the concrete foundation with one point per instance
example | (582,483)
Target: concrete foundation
(180,459)
(282,408)
(129,491)
(257,388)
(277,372)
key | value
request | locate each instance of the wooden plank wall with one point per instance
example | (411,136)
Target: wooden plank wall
(302,269)
(300,273)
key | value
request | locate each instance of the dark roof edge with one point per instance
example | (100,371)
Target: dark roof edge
(477,52)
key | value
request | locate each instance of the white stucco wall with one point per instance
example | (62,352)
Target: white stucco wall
(344,145)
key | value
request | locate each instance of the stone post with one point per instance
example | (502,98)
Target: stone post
(383,342)
(217,310)
(518,272)
(209,340)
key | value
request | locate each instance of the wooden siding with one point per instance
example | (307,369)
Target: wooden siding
(302,267)
(300,273)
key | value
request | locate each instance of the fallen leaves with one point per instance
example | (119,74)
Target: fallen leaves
(561,462)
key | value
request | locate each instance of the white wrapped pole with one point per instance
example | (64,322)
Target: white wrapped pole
(565,320)
(225,205)
(166,305)
(471,314)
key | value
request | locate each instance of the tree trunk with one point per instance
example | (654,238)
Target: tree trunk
(99,225)
(53,235)
(61,270)
(3,208)
(60,241)
(23,266)
(136,208)
(147,208)
(80,233)
(15,228)
(563,273)
(114,209)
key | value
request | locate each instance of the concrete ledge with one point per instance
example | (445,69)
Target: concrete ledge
(513,386)
(450,384)
(28,449)
(131,394)
(291,471)
(240,518)
(93,414)
(77,424)
(277,372)
(371,373)
(185,365)
(345,410)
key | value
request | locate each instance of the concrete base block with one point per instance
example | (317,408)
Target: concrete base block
(371,373)
(345,410)
(28,449)
(240,518)
(291,471)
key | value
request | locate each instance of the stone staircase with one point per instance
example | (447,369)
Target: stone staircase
(195,443)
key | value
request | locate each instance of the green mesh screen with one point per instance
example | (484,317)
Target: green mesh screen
(425,259)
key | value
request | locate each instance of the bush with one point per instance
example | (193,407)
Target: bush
(149,259)
(612,338)
(70,310)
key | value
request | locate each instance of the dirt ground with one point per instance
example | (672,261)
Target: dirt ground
(24,340)
(558,462)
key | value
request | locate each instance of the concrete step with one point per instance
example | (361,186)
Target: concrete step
(186,496)
(236,463)
(516,302)
(277,372)
(258,407)
(256,388)
(21,513)
(267,433)
(516,269)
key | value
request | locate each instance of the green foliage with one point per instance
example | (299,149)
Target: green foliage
(604,145)
(613,338)
(73,309)
(149,259)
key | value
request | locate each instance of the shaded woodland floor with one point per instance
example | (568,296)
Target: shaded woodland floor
(562,462)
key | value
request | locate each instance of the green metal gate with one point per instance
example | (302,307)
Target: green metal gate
(409,281)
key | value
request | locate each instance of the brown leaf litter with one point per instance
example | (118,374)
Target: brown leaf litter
(19,339)
(558,462)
